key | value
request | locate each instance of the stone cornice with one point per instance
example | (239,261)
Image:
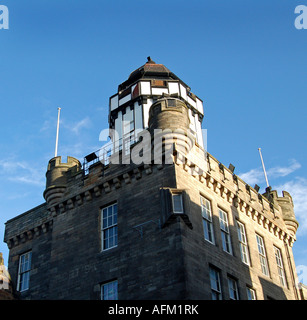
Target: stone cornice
(29,234)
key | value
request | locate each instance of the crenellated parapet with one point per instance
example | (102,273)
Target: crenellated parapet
(287,208)
(276,217)
(57,175)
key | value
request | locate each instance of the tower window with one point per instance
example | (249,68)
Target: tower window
(109,227)
(216,291)
(243,243)
(280,267)
(233,289)
(251,294)
(262,255)
(109,291)
(225,231)
(177,203)
(207,219)
(24,271)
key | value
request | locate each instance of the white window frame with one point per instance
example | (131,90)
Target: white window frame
(243,243)
(24,269)
(215,283)
(280,267)
(233,288)
(109,227)
(109,290)
(206,211)
(181,209)
(262,256)
(251,294)
(224,226)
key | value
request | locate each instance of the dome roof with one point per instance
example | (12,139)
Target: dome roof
(149,70)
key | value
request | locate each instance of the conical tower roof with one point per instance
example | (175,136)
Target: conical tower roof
(151,70)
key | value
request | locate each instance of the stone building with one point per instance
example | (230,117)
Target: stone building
(6,289)
(152,215)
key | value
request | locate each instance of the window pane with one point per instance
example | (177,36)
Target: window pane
(280,267)
(251,295)
(24,271)
(243,243)
(223,221)
(109,291)
(233,289)
(109,227)
(207,231)
(215,284)
(177,203)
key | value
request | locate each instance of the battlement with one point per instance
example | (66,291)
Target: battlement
(286,204)
(56,177)
(57,161)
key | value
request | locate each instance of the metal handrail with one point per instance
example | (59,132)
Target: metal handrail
(106,151)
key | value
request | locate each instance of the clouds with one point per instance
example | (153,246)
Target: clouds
(67,126)
(296,186)
(256,176)
(83,123)
(75,127)
(301,273)
(298,190)
(21,171)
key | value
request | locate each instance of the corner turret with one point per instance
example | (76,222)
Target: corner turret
(56,177)
(169,123)
(286,205)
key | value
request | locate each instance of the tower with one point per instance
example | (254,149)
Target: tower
(129,107)
(56,177)
(286,206)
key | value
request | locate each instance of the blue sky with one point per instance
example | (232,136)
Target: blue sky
(245,59)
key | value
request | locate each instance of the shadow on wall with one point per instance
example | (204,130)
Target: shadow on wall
(274,290)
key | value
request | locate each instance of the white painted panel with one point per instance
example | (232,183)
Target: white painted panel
(159,91)
(146,108)
(183,92)
(138,117)
(118,128)
(199,106)
(128,121)
(124,99)
(114,102)
(191,102)
(199,131)
(173,87)
(145,87)
(192,121)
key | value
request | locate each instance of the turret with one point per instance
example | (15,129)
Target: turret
(286,205)
(288,215)
(169,124)
(56,177)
